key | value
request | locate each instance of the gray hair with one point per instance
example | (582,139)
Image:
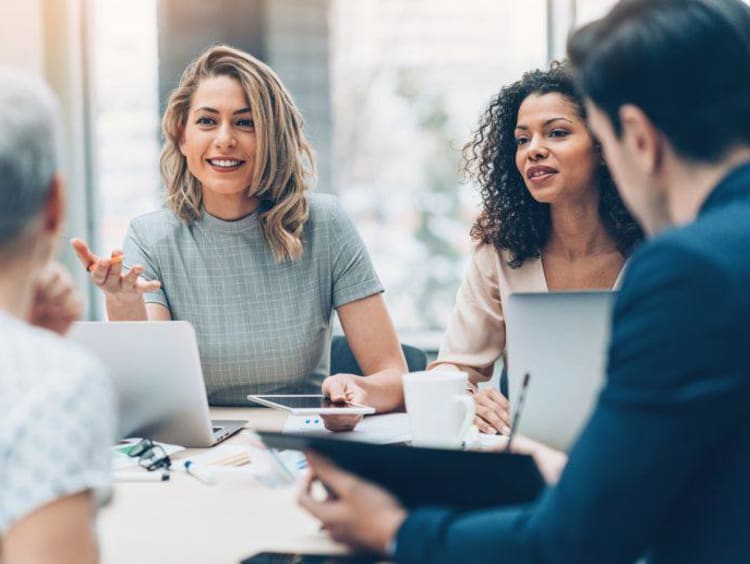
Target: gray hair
(29,141)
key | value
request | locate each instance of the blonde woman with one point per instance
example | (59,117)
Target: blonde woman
(244,251)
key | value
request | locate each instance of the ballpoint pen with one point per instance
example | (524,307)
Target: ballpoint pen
(198,473)
(519,408)
(141,476)
(286,472)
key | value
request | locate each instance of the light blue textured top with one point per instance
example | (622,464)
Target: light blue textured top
(58,421)
(262,327)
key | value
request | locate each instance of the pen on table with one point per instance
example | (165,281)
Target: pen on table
(198,473)
(519,408)
(141,476)
(287,473)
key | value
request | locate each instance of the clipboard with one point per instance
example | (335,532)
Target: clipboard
(427,476)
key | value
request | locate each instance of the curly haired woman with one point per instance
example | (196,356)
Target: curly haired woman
(551,220)
(243,250)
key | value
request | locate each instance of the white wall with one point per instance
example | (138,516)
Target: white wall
(21,42)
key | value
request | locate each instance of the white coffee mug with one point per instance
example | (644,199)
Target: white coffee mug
(440,411)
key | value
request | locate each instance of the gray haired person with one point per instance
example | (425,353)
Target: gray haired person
(57,404)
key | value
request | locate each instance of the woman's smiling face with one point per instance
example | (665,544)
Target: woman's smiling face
(219,139)
(555,152)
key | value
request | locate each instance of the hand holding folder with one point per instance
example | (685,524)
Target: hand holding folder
(427,476)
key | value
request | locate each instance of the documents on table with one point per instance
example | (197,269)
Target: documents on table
(276,468)
(223,455)
(281,468)
(380,429)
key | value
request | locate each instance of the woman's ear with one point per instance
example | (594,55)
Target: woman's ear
(181,140)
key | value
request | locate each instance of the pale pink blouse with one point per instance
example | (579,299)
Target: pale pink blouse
(475,338)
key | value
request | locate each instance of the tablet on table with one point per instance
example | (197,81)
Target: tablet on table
(310,404)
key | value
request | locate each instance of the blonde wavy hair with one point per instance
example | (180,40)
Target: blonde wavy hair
(284,161)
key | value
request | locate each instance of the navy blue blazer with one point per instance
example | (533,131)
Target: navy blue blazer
(662,468)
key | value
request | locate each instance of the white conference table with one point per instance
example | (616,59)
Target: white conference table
(185,521)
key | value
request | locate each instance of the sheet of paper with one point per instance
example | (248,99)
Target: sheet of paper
(302,423)
(275,469)
(223,455)
(492,441)
(380,429)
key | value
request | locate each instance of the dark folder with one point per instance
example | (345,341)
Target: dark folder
(427,476)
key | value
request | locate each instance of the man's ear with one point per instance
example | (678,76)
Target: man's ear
(54,210)
(641,137)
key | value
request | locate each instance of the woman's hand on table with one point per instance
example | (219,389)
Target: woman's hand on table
(492,411)
(343,388)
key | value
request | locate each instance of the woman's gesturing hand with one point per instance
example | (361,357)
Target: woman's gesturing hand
(107,274)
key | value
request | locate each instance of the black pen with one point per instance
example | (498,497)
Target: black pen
(519,408)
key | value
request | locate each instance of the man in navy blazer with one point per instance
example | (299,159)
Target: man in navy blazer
(662,469)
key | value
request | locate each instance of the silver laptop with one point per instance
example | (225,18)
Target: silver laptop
(158,378)
(561,339)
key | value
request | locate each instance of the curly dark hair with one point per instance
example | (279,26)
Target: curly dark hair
(510,218)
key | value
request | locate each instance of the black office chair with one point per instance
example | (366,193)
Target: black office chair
(343,361)
(504,382)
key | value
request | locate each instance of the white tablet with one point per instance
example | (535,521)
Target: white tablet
(311,405)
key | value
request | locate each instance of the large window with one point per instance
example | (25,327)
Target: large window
(588,10)
(409,82)
(126,116)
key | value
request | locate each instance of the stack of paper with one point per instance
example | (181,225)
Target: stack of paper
(379,429)
(223,455)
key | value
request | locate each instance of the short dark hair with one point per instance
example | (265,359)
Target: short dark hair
(511,219)
(685,63)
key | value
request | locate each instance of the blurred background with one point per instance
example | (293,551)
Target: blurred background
(390,91)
